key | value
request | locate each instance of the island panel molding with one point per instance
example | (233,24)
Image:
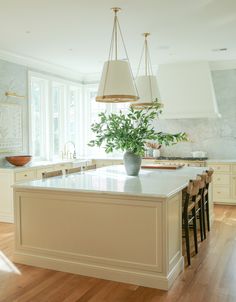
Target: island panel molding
(122,238)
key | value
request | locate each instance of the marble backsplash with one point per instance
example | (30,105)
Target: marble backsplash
(215,136)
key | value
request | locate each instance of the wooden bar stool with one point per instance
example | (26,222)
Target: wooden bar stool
(206,196)
(91,167)
(51,174)
(73,170)
(201,216)
(189,215)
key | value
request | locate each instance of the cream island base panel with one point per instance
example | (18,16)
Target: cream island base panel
(132,239)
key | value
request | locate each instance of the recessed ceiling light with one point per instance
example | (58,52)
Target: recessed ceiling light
(220,49)
(70,49)
(27,31)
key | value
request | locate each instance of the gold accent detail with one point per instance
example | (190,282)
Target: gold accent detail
(116,9)
(146,34)
(14,95)
(120,98)
(145,105)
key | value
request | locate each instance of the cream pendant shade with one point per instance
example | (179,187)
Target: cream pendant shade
(148,90)
(146,84)
(116,84)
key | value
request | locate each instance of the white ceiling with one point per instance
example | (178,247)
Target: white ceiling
(76,34)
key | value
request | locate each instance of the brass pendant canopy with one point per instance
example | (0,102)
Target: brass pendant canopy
(117,83)
(147,83)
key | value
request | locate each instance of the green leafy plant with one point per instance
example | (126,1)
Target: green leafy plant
(131,131)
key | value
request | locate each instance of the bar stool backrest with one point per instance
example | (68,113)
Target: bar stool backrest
(203,180)
(51,174)
(193,187)
(192,193)
(91,167)
(73,170)
(209,175)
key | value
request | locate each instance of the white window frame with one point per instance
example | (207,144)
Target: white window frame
(46,108)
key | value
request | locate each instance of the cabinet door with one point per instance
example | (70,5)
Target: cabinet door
(221,194)
(221,179)
(233,187)
(6,197)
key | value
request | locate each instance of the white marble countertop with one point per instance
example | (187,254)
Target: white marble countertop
(227,161)
(38,164)
(113,179)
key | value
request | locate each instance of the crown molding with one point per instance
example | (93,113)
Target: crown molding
(41,65)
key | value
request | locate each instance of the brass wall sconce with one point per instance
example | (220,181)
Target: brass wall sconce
(14,95)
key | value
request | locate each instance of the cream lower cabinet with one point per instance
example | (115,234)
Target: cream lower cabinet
(7,178)
(224,183)
(10,176)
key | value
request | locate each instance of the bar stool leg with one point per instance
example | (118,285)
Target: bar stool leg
(207,212)
(195,229)
(203,216)
(200,220)
(186,230)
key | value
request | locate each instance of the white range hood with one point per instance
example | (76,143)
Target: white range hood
(187,91)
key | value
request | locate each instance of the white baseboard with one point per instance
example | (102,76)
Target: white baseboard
(119,274)
(6,218)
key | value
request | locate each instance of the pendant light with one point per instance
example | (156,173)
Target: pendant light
(147,83)
(117,83)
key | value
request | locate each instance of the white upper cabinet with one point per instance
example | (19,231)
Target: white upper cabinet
(187,91)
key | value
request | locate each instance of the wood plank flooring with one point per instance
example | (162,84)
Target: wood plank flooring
(211,278)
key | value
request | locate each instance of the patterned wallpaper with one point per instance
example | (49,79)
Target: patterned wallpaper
(215,136)
(13,77)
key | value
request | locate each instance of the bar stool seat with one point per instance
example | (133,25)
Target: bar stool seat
(52,174)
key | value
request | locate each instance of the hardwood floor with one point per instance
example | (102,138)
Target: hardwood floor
(211,278)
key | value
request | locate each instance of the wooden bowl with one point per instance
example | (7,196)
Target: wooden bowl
(19,160)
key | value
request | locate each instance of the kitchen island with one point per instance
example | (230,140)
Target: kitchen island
(105,224)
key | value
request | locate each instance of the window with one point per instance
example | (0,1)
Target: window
(54,115)
(63,111)
(38,94)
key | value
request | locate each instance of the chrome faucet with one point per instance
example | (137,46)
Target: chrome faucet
(66,153)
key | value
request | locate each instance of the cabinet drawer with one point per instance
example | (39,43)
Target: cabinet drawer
(221,179)
(25,175)
(221,192)
(221,168)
